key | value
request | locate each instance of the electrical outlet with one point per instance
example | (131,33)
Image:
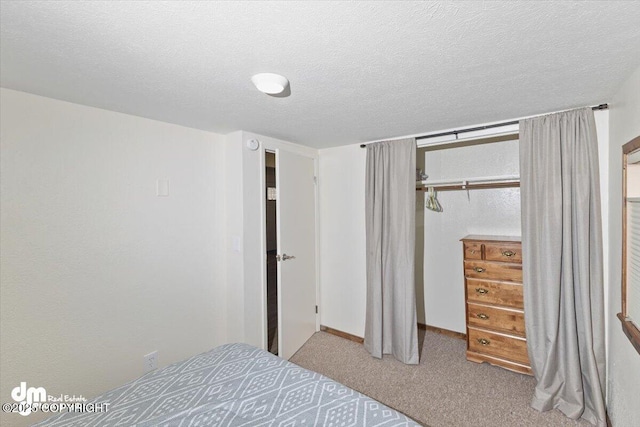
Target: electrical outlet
(150,361)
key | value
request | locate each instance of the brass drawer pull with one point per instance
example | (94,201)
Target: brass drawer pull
(508,253)
(482,291)
(484,341)
(482,316)
(479,269)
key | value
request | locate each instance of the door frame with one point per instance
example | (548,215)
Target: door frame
(272,145)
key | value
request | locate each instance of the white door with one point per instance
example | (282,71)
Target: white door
(297,251)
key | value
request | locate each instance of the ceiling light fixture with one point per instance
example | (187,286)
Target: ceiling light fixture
(270,83)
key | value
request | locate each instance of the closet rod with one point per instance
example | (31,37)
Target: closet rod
(472,186)
(495,125)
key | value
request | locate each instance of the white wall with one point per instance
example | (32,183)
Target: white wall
(623,363)
(234,203)
(419,257)
(486,212)
(342,239)
(633,180)
(97,270)
(602,130)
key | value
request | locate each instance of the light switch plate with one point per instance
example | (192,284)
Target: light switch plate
(162,187)
(236,244)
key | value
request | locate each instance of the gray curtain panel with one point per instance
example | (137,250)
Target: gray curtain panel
(562,263)
(391,322)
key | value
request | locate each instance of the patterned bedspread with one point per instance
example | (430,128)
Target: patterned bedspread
(235,385)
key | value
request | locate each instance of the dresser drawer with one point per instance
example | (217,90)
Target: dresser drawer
(498,345)
(507,320)
(503,251)
(500,293)
(472,250)
(493,270)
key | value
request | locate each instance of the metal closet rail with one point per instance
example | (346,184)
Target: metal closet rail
(477,128)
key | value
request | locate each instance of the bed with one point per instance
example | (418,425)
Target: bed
(235,385)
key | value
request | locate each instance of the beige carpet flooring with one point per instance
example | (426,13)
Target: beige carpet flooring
(444,390)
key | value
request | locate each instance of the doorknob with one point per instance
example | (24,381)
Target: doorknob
(284,257)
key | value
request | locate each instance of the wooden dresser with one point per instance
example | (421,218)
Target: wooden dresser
(494,302)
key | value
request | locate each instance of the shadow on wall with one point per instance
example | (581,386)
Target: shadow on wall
(419,274)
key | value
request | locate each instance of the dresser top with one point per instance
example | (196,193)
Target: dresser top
(480,237)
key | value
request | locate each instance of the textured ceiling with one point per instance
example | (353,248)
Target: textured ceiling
(359,71)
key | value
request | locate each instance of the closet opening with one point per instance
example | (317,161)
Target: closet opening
(271,247)
(469,190)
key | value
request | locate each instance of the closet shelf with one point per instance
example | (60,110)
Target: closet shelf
(470,183)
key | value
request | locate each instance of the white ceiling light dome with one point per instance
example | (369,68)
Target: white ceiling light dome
(270,83)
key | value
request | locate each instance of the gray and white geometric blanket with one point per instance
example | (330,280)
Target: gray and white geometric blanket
(235,385)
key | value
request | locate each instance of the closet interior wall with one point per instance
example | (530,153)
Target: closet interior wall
(439,277)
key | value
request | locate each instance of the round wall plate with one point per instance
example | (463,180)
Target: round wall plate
(253,144)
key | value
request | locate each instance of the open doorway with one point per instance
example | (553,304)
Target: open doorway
(272,248)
